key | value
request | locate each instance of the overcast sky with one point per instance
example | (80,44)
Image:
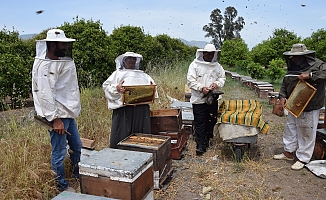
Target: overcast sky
(176,18)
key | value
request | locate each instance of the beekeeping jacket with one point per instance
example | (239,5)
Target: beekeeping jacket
(203,74)
(317,70)
(54,85)
(129,76)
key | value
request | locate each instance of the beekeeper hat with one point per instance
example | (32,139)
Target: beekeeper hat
(298,50)
(57,35)
(209,48)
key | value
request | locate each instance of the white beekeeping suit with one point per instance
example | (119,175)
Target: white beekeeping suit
(203,74)
(54,82)
(129,77)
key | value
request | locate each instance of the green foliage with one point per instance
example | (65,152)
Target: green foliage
(15,68)
(281,41)
(317,42)
(127,38)
(92,51)
(233,51)
(263,53)
(276,69)
(242,65)
(224,27)
(256,70)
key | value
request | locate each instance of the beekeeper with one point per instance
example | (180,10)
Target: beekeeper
(56,99)
(127,119)
(204,75)
(299,134)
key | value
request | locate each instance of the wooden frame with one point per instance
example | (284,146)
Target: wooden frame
(299,98)
(139,94)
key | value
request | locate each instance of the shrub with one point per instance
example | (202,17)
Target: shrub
(15,70)
(276,69)
(256,70)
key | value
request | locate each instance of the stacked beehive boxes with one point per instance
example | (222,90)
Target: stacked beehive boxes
(168,122)
(159,146)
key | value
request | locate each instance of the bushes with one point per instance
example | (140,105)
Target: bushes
(15,66)
(276,69)
(256,70)
(94,52)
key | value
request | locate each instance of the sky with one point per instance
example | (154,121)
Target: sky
(176,18)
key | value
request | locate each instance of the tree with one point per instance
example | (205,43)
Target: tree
(233,51)
(92,51)
(263,53)
(276,69)
(222,28)
(15,69)
(273,48)
(317,42)
(282,40)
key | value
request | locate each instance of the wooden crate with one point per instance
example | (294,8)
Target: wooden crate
(117,173)
(166,120)
(272,97)
(188,129)
(263,91)
(178,142)
(253,85)
(164,172)
(158,145)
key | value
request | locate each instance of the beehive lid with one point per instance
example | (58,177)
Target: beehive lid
(116,164)
(65,195)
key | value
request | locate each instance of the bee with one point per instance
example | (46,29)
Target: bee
(39,12)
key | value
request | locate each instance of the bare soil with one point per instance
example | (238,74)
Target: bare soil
(258,176)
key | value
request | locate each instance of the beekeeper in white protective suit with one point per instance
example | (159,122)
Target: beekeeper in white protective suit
(205,74)
(57,99)
(127,119)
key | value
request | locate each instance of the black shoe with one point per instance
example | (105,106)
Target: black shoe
(200,151)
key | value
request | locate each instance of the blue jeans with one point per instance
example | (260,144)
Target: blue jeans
(59,151)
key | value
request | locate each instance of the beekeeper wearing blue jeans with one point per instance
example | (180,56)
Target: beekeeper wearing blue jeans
(57,99)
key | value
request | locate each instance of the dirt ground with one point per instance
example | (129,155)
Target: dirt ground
(258,176)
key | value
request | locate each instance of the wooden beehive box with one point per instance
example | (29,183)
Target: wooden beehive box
(272,97)
(161,175)
(166,120)
(158,145)
(178,142)
(263,91)
(116,173)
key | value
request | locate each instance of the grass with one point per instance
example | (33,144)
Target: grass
(25,150)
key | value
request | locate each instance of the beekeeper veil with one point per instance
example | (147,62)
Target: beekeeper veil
(299,58)
(208,48)
(54,35)
(129,60)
